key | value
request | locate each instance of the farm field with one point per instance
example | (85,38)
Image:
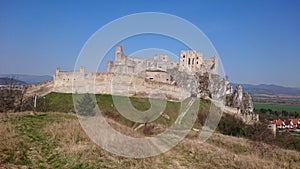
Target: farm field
(278,107)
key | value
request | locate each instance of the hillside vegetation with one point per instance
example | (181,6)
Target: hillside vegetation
(60,102)
(56,140)
(53,138)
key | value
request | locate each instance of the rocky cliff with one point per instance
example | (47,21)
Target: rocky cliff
(213,86)
(240,100)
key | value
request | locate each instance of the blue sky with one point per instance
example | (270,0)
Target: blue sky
(258,41)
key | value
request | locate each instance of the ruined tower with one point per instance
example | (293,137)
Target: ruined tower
(110,65)
(190,60)
(119,56)
(57,71)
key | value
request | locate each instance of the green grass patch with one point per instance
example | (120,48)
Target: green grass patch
(37,148)
(59,102)
(63,102)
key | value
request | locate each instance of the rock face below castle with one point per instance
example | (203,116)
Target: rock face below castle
(242,103)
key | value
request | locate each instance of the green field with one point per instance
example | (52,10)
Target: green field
(278,107)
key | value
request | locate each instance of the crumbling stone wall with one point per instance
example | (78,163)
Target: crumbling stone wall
(39,89)
(190,61)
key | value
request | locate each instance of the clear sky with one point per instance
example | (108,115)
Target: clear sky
(258,41)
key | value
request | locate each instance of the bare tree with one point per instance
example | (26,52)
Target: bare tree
(11,95)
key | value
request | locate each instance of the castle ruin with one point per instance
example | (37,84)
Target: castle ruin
(145,75)
(156,69)
(193,75)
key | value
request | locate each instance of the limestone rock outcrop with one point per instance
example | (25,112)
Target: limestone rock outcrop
(217,87)
(240,100)
(200,85)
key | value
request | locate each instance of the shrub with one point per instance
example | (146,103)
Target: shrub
(86,106)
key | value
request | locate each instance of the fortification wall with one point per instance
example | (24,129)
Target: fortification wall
(116,84)
(39,89)
(129,76)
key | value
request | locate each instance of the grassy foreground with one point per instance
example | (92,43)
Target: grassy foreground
(56,140)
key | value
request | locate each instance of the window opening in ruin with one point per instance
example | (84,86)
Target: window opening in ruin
(189,62)
(193,61)
(183,56)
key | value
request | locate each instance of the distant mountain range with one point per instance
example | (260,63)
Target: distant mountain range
(271,90)
(23,79)
(8,81)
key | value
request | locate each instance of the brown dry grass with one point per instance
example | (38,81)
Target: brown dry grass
(11,145)
(74,149)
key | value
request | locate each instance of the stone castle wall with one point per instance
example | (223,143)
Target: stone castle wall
(39,89)
(132,76)
(116,84)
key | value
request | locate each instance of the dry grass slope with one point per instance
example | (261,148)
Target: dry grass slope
(56,140)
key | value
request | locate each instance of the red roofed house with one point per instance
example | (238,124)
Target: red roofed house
(287,124)
(279,124)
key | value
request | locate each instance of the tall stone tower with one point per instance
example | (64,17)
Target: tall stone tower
(57,71)
(119,56)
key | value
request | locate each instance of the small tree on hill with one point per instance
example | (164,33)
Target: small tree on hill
(86,106)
